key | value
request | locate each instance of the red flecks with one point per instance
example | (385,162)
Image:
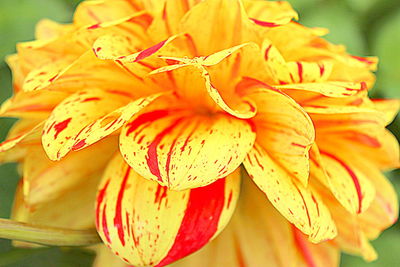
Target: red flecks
(150,51)
(300,71)
(152,157)
(146,117)
(266,54)
(200,221)
(118,210)
(299,145)
(91,99)
(94,26)
(100,198)
(303,248)
(305,205)
(105,226)
(321,69)
(229,199)
(161,194)
(78,145)
(59,127)
(352,175)
(53,78)
(316,203)
(264,23)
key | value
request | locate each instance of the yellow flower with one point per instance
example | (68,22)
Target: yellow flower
(201,96)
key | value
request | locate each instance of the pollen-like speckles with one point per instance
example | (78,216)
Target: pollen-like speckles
(156,143)
(138,209)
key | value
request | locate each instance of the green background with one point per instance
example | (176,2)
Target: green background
(366,27)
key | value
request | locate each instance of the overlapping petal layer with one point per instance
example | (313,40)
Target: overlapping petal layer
(148,224)
(189,90)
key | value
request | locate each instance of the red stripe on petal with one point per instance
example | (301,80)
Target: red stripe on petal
(118,210)
(302,245)
(100,198)
(152,157)
(264,23)
(352,175)
(150,51)
(200,222)
(146,117)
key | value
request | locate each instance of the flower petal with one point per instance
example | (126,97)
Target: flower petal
(184,151)
(148,224)
(298,204)
(390,107)
(46,180)
(259,236)
(92,12)
(234,27)
(73,114)
(347,183)
(286,133)
(270,14)
(330,88)
(110,123)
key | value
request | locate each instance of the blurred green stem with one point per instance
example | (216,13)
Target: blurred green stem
(48,236)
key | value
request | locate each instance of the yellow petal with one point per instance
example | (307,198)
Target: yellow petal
(270,14)
(330,88)
(92,12)
(390,107)
(298,204)
(351,237)
(25,132)
(182,150)
(234,27)
(259,236)
(148,224)
(286,133)
(73,114)
(309,72)
(87,71)
(347,183)
(46,180)
(110,123)
(48,29)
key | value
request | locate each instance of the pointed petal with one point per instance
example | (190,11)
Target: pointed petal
(270,14)
(389,106)
(46,180)
(92,12)
(183,151)
(347,183)
(73,114)
(26,132)
(298,204)
(330,88)
(110,123)
(147,224)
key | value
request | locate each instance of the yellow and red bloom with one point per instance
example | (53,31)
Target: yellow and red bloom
(163,108)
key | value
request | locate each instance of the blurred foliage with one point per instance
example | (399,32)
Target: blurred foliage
(366,27)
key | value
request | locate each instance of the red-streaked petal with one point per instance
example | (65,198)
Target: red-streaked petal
(183,151)
(148,224)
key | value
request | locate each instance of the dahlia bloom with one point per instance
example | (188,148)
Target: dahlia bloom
(161,121)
